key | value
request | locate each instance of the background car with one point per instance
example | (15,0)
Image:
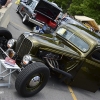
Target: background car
(88,22)
(39,12)
(69,20)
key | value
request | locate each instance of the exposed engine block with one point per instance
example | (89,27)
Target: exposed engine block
(50,58)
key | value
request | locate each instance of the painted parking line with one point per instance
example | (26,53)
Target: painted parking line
(20,26)
(72,93)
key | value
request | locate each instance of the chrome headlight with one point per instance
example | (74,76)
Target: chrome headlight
(10,43)
(10,53)
(26,59)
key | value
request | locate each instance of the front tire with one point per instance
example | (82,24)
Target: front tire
(32,79)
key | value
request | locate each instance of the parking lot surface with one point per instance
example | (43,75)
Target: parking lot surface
(54,90)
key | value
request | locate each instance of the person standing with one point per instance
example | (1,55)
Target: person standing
(4,3)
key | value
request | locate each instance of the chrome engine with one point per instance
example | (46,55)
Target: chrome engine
(50,58)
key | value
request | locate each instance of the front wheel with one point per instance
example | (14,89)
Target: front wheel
(32,79)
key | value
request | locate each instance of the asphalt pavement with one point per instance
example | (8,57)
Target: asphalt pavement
(54,89)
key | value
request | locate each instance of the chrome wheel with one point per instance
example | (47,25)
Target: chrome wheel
(34,81)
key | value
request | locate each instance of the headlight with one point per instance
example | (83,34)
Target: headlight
(10,43)
(26,59)
(10,53)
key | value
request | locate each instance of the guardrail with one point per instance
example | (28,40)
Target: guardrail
(5,16)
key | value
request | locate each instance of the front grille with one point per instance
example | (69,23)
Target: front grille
(23,46)
(19,41)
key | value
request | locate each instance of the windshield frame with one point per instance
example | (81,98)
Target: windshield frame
(73,39)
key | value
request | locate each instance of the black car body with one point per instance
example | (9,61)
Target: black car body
(39,12)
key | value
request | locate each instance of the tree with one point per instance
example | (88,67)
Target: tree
(75,7)
(64,4)
(91,8)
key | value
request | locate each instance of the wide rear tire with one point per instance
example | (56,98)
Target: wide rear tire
(32,79)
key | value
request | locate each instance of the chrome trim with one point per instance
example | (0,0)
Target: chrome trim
(32,20)
(21,13)
(20,46)
(35,22)
(34,81)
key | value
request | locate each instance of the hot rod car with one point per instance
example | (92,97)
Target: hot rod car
(72,52)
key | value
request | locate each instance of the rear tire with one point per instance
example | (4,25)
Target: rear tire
(5,35)
(5,32)
(32,79)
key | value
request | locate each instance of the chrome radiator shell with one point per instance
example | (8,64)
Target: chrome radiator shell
(23,46)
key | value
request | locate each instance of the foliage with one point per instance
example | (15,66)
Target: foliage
(64,4)
(75,7)
(90,8)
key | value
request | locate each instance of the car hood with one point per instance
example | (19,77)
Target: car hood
(50,44)
(49,9)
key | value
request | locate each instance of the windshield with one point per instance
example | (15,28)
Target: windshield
(75,40)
